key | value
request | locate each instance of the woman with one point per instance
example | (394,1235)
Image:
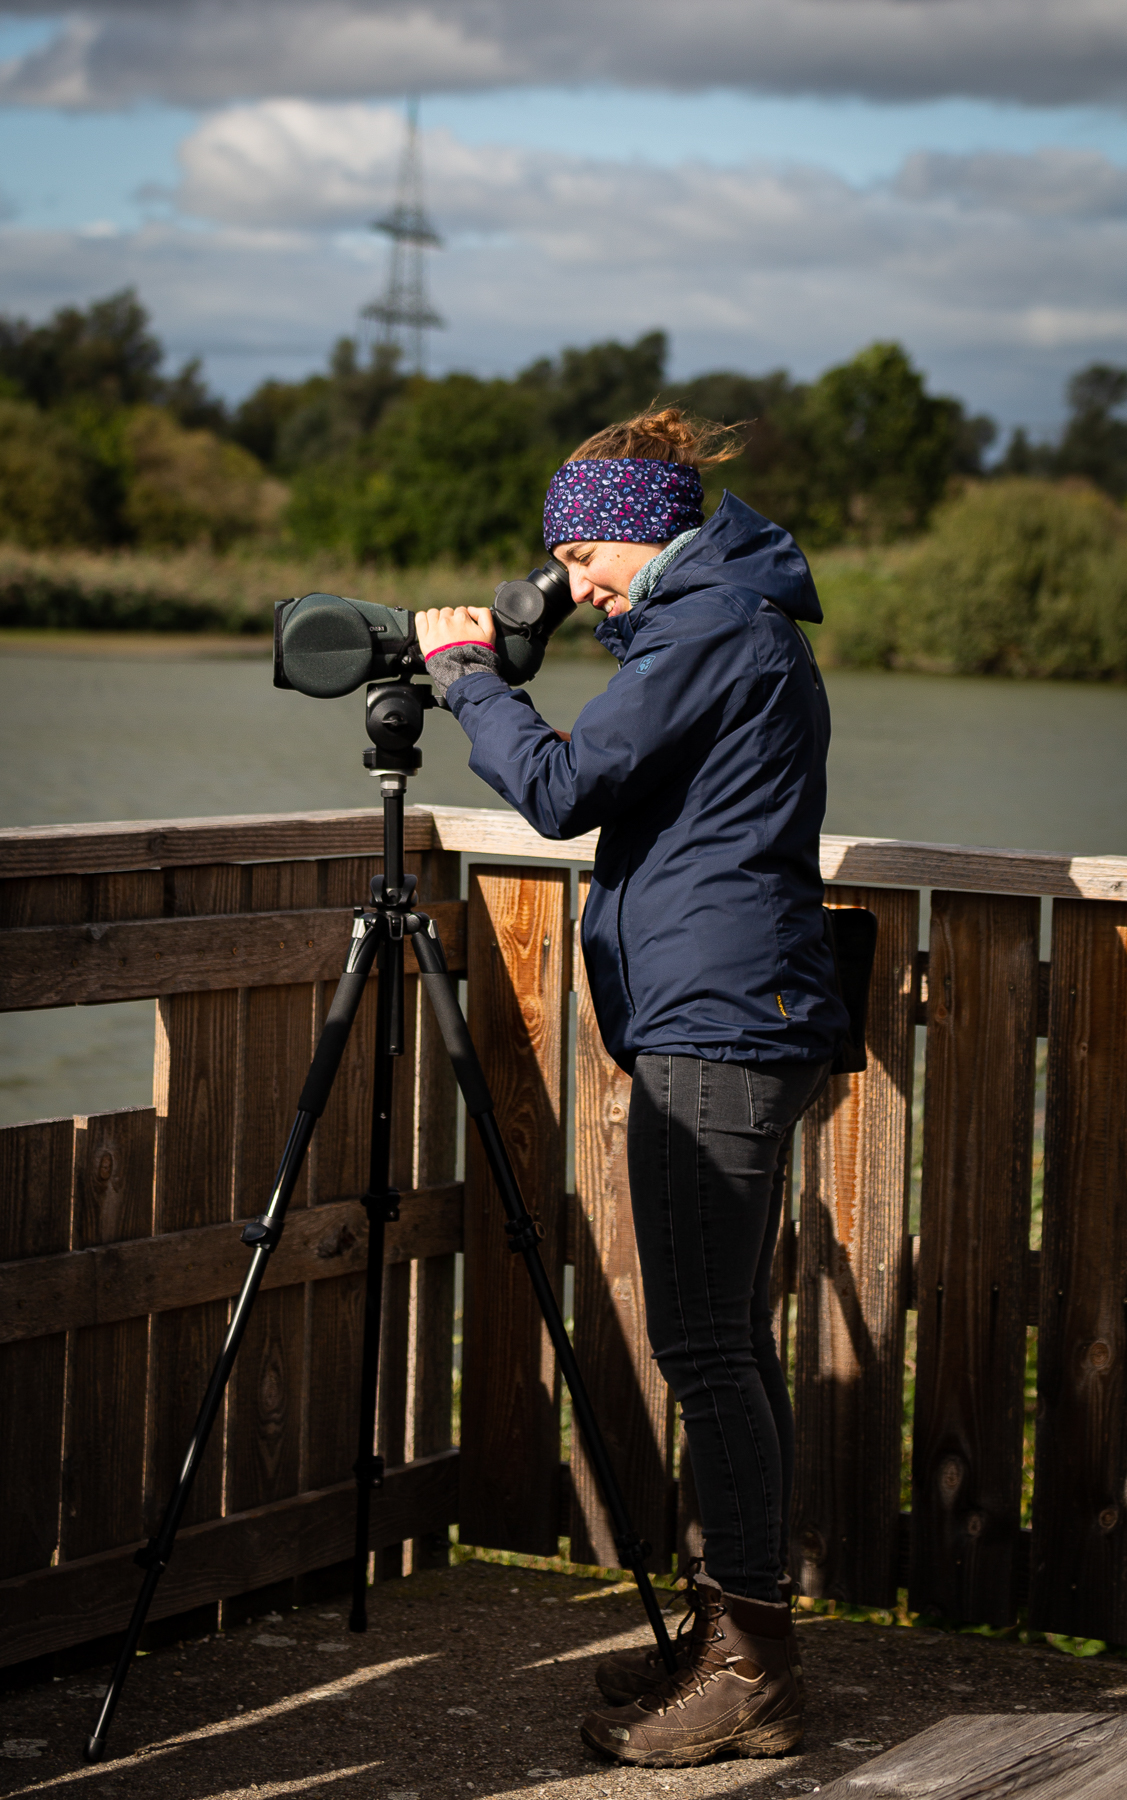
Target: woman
(704,765)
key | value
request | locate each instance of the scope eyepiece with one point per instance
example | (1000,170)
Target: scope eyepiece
(326,645)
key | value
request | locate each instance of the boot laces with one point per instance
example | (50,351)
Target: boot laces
(691,1597)
(706,1663)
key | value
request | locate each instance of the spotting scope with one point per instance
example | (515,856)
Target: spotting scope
(327,645)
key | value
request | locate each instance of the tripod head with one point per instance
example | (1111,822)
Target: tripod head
(394,713)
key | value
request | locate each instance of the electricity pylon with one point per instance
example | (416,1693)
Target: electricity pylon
(403,310)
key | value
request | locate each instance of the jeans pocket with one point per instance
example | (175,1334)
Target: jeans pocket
(779,1094)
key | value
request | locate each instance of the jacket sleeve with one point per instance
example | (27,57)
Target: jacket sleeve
(663,707)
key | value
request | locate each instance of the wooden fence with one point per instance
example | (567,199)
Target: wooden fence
(120,1254)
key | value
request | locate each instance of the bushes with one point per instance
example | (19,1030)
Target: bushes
(187,487)
(1019,578)
(46,480)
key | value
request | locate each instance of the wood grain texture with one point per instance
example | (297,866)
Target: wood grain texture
(974,1235)
(882,861)
(852,1278)
(195,1092)
(75,1289)
(264,1406)
(518,960)
(436,1160)
(104,1460)
(630,1397)
(92,962)
(1045,1756)
(36,1172)
(92,1597)
(177,843)
(1078,1576)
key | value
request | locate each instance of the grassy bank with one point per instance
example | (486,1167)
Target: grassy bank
(1017,578)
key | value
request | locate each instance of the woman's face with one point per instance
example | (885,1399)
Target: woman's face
(602,573)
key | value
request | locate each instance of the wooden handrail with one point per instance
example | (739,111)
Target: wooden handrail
(494,831)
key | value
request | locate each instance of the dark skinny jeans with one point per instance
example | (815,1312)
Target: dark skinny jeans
(707,1146)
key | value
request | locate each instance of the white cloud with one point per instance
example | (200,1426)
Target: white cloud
(1050,183)
(999,273)
(207,52)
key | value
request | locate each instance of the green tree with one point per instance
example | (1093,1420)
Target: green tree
(883,448)
(1094,443)
(105,353)
(48,481)
(583,390)
(455,469)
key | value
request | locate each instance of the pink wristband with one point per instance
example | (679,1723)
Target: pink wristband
(461,644)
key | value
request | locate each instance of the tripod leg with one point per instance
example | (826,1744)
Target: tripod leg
(524,1236)
(262,1235)
(381,1204)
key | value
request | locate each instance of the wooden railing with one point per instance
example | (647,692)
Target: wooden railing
(119,1254)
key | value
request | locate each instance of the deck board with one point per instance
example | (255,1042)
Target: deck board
(1041,1756)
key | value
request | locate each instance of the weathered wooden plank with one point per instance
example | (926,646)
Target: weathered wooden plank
(179,843)
(974,1234)
(1046,1756)
(852,1277)
(36,1172)
(630,1397)
(90,963)
(103,1483)
(264,1406)
(436,1160)
(1078,1577)
(881,861)
(90,1598)
(518,956)
(77,1289)
(195,1092)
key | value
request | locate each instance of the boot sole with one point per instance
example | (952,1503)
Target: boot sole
(778,1738)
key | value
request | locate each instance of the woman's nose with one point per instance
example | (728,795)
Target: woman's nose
(582,587)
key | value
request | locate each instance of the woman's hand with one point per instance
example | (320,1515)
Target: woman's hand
(440,627)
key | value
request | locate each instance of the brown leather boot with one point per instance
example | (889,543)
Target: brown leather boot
(629,1674)
(738,1692)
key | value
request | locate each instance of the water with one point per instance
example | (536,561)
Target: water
(1036,766)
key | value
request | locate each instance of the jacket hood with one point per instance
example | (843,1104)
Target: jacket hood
(740,548)
(737,548)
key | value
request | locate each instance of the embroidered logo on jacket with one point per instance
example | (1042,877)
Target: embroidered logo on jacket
(643,665)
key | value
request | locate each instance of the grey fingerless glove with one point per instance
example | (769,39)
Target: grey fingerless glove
(447,666)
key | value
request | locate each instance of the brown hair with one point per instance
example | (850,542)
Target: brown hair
(665,436)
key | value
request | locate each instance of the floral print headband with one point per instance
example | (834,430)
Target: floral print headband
(622,500)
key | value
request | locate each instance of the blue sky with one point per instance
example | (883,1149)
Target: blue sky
(987,232)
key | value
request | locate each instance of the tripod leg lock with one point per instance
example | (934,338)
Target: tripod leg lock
(369,1469)
(262,1234)
(150,1557)
(524,1234)
(383,1206)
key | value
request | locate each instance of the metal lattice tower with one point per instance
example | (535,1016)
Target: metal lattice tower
(403,310)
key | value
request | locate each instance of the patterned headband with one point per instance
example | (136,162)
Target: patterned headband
(622,500)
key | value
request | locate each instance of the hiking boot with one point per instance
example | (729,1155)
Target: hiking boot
(629,1674)
(737,1692)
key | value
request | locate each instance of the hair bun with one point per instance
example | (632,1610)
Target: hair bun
(665,435)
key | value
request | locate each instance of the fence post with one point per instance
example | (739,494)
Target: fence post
(518,976)
(852,1249)
(974,1242)
(1078,1575)
(629,1395)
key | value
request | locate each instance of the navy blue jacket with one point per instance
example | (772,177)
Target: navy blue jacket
(704,765)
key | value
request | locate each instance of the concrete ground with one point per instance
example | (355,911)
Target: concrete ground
(470,1684)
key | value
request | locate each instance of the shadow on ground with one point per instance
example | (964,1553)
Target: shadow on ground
(471,1683)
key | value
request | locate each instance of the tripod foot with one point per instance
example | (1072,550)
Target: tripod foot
(357,1620)
(93,1749)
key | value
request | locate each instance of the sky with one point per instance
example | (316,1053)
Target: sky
(774,182)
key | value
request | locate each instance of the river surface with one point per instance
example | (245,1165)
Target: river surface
(1031,765)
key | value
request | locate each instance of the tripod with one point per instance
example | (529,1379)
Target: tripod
(395,720)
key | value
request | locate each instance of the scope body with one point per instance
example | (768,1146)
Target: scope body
(326,645)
